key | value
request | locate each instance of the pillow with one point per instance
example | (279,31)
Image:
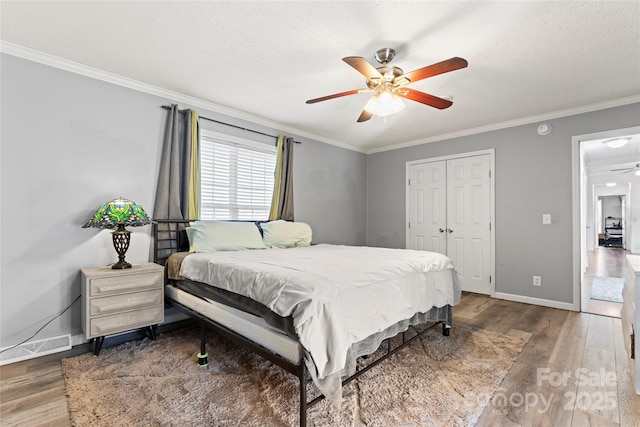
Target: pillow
(189,232)
(286,234)
(211,236)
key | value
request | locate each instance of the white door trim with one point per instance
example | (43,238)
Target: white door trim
(492,153)
(575,181)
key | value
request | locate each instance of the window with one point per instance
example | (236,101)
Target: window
(236,177)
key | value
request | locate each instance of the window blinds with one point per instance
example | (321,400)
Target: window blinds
(236,178)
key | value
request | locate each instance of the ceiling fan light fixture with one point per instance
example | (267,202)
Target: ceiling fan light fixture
(384,104)
(637,173)
(616,142)
(387,82)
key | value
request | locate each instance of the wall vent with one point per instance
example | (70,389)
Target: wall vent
(33,349)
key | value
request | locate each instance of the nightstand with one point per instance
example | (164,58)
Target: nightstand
(116,301)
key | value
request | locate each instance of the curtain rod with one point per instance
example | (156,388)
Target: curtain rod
(168,107)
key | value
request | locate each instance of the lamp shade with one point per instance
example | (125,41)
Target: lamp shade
(119,212)
(384,104)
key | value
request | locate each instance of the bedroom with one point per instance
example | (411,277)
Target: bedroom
(74,136)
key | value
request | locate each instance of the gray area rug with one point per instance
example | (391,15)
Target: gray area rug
(607,289)
(436,381)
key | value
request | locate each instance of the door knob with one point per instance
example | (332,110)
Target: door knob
(450,230)
(441,230)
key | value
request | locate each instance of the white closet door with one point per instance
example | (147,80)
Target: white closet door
(468,221)
(428,207)
(449,211)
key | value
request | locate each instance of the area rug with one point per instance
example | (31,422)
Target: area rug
(607,288)
(435,381)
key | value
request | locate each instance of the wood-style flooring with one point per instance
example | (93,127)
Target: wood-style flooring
(603,262)
(573,372)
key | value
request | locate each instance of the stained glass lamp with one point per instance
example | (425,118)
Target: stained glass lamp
(117,214)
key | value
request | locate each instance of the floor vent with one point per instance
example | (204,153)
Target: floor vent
(32,349)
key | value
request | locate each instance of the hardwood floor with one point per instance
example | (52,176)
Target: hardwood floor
(603,262)
(573,372)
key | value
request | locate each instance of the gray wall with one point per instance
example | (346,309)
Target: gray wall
(533,176)
(70,143)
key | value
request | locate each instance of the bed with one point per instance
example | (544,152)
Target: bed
(313,310)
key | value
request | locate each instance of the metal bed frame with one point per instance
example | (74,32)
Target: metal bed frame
(173,239)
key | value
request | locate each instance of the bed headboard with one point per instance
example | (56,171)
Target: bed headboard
(169,236)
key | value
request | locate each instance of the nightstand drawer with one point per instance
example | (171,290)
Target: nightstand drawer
(108,285)
(116,323)
(118,303)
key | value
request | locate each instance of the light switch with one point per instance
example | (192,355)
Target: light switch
(546,219)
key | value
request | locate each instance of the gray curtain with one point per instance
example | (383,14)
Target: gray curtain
(172,192)
(285,205)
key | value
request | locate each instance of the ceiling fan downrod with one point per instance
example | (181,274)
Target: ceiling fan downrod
(385,55)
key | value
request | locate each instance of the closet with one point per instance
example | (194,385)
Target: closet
(449,210)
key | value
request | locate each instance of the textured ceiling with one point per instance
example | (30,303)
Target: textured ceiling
(528,60)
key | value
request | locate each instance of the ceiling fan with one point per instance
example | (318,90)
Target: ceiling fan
(627,170)
(389,84)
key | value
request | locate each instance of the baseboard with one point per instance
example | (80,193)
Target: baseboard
(536,301)
(171,315)
(76,344)
(33,349)
(77,340)
(139,334)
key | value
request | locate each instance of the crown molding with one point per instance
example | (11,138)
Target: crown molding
(176,97)
(513,123)
(95,73)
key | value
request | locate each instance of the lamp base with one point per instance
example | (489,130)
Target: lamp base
(121,239)
(121,265)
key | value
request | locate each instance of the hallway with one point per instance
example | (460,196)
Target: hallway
(603,262)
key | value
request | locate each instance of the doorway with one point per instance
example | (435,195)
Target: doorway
(610,221)
(450,211)
(603,227)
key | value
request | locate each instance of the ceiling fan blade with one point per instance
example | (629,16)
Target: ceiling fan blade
(435,69)
(363,66)
(424,98)
(364,116)
(337,95)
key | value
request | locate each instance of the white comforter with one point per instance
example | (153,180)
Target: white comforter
(337,295)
